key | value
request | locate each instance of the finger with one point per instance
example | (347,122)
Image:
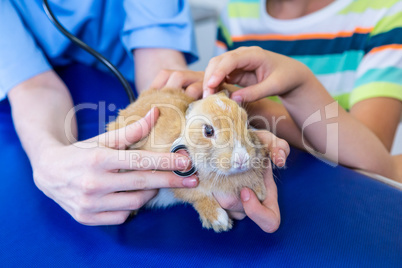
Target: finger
(182,79)
(263,216)
(256,92)
(208,91)
(240,60)
(126,201)
(145,180)
(236,215)
(235,64)
(229,202)
(161,79)
(104,218)
(123,137)
(195,90)
(271,200)
(280,155)
(279,149)
(210,87)
(143,160)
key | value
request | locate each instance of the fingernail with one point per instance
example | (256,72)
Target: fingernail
(282,156)
(149,112)
(190,182)
(245,195)
(207,92)
(182,162)
(213,81)
(237,99)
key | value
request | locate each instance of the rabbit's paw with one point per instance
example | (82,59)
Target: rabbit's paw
(212,215)
(220,222)
(261,192)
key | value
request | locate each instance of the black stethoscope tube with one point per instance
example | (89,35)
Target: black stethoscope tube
(90,50)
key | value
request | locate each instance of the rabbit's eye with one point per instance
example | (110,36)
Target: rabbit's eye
(208,131)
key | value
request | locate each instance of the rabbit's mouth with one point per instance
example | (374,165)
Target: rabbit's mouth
(234,168)
(238,169)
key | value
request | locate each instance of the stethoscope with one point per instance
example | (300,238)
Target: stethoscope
(90,50)
(177,146)
(130,93)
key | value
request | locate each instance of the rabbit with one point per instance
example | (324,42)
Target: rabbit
(226,153)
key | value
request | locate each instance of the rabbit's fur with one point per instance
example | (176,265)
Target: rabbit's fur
(216,158)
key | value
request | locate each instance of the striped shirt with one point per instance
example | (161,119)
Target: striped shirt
(353,47)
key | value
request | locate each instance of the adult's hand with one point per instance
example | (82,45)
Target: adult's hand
(190,81)
(83,177)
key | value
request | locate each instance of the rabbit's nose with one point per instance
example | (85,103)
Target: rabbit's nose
(240,159)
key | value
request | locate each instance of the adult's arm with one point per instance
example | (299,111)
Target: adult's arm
(160,35)
(81,176)
(82,180)
(149,62)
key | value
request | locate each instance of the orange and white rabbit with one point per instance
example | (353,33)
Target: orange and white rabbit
(226,153)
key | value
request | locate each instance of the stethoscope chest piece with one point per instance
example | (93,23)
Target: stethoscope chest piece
(175,148)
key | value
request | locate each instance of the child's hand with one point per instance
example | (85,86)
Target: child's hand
(265,214)
(262,73)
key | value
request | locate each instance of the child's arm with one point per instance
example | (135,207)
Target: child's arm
(273,116)
(328,127)
(381,115)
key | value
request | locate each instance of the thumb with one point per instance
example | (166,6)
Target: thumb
(123,137)
(263,216)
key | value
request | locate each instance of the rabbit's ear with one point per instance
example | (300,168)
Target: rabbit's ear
(224,92)
(189,108)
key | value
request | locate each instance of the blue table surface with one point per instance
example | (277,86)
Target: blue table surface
(330,216)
